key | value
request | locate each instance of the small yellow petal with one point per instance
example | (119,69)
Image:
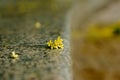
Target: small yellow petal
(37,25)
(14,55)
(49,43)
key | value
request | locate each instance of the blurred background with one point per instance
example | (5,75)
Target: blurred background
(17,8)
(95,44)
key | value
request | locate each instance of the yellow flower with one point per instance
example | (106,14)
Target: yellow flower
(49,43)
(37,25)
(61,46)
(14,55)
(59,40)
(58,43)
(52,46)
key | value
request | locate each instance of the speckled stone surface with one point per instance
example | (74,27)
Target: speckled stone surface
(36,61)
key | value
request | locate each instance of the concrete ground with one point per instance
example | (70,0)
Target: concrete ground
(36,60)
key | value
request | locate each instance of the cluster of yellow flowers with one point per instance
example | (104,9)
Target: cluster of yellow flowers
(58,43)
(109,31)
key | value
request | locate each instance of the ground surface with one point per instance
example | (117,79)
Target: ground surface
(36,61)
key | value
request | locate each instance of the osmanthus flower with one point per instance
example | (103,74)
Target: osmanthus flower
(14,55)
(49,43)
(37,25)
(59,40)
(57,44)
(52,46)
